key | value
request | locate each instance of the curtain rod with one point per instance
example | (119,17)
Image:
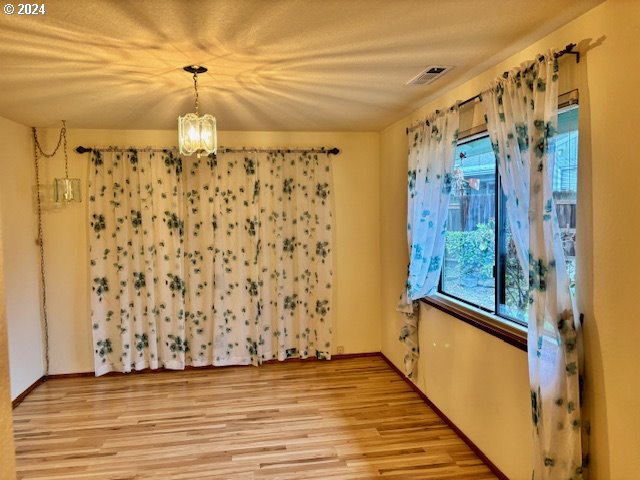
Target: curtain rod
(331,151)
(568,50)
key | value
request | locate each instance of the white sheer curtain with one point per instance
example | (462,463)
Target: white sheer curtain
(432,146)
(522,122)
(219,261)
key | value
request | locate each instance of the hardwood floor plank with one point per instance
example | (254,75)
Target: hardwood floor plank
(349,419)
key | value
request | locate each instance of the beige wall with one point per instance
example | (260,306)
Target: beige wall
(7,461)
(356,324)
(22,275)
(478,381)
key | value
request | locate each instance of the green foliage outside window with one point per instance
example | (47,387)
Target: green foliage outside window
(474,250)
(470,256)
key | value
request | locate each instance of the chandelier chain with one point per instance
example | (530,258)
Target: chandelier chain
(195,85)
(66,150)
(45,319)
(62,140)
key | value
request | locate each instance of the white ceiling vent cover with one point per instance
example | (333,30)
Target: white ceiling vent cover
(429,74)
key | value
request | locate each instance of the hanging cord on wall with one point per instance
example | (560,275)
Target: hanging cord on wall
(37,152)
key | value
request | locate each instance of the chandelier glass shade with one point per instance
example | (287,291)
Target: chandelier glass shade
(66,190)
(197,133)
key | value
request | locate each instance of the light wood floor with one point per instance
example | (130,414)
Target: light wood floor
(343,419)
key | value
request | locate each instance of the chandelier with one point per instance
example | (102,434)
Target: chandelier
(197,133)
(65,190)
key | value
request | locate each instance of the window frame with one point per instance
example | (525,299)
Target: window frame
(507,328)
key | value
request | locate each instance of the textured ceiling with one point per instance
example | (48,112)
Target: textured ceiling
(316,65)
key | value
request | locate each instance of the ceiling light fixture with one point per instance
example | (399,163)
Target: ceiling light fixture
(197,133)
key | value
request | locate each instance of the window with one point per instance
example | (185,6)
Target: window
(468,270)
(481,267)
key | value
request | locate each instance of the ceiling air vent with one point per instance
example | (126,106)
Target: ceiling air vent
(429,74)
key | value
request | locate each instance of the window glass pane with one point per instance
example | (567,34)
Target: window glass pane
(513,303)
(470,239)
(565,185)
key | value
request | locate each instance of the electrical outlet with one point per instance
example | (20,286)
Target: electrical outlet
(340,350)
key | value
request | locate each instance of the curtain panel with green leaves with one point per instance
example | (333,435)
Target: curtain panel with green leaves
(209,261)
(432,146)
(522,118)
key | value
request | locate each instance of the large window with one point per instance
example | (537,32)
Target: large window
(481,267)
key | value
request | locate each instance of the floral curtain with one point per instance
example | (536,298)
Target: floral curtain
(432,147)
(522,122)
(209,261)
